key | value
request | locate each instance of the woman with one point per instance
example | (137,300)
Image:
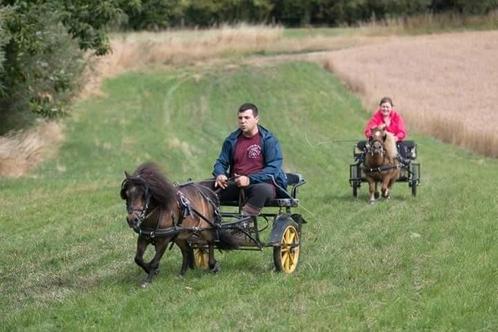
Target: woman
(387,118)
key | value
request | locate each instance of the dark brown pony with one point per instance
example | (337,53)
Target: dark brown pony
(381,163)
(161,212)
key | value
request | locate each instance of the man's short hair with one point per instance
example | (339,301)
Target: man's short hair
(249,106)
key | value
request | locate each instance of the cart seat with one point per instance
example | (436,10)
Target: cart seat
(286,198)
(407,149)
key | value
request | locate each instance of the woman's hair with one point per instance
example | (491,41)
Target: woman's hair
(386,100)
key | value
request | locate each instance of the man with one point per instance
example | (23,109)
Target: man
(252,158)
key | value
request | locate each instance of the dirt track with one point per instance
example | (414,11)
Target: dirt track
(446,85)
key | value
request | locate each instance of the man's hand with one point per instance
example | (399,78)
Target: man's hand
(242,181)
(221,181)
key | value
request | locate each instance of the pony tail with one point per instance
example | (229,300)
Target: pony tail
(390,146)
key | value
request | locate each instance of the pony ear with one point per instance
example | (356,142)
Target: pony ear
(126,174)
(122,192)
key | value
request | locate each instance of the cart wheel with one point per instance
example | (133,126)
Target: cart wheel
(355,190)
(286,256)
(201,258)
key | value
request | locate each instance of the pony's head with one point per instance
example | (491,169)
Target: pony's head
(375,144)
(145,190)
(382,143)
(137,195)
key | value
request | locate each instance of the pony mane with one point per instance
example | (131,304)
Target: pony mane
(390,146)
(161,190)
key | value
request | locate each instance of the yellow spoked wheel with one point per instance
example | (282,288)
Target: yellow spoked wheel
(286,256)
(201,257)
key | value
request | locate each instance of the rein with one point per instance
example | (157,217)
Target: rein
(380,169)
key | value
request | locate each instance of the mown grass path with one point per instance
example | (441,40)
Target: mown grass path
(428,262)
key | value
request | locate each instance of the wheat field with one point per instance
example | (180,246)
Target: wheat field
(445,84)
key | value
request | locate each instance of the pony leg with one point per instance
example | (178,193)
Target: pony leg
(187,256)
(214,266)
(376,194)
(372,188)
(390,184)
(386,184)
(161,246)
(139,255)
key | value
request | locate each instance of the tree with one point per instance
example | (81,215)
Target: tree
(41,53)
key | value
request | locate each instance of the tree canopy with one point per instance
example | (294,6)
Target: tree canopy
(41,45)
(157,14)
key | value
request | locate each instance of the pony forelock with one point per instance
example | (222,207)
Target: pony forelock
(160,188)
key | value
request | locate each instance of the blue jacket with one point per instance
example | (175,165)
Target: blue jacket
(272,158)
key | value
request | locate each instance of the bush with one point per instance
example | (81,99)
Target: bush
(4,39)
(41,66)
(41,54)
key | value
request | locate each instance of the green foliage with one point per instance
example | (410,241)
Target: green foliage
(415,264)
(293,12)
(213,12)
(156,14)
(40,54)
(151,14)
(41,66)
(86,21)
(4,39)
(466,7)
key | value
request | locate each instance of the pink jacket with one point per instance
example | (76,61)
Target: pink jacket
(397,126)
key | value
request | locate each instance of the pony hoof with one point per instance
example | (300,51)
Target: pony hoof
(144,284)
(372,201)
(216,268)
(377,195)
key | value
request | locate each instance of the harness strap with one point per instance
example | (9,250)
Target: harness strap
(380,169)
(184,205)
(165,232)
(157,233)
(188,210)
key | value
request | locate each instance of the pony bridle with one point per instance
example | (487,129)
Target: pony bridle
(374,146)
(142,215)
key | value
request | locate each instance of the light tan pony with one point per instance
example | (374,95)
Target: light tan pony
(381,163)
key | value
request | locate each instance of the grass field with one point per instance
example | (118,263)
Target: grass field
(423,263)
